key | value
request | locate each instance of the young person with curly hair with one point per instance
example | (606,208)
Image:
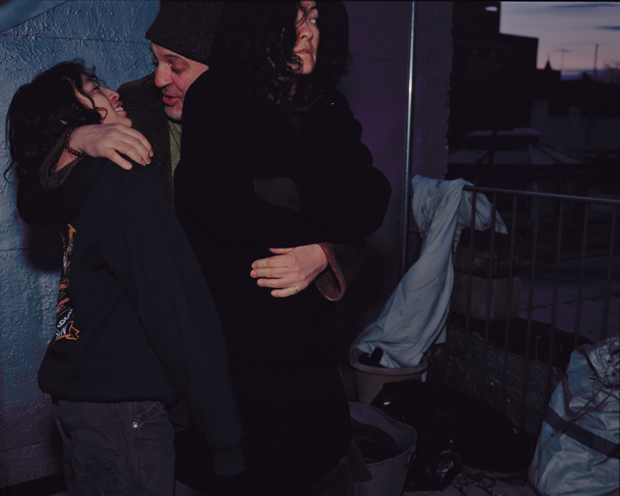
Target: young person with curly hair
(138,343)
(277,156)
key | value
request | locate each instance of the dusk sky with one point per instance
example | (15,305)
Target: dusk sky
(571,29)
(567,31)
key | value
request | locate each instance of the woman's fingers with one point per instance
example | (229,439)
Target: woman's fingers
(111,140)
(286,292)
(291,270)
(282,283)
(133,150)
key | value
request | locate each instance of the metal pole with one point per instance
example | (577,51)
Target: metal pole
(595,57)
(408,155)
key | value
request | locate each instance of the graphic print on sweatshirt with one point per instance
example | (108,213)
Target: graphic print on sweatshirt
(64,310)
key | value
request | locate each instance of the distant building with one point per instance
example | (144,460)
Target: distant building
(493,74)
(578,115)
(495,86)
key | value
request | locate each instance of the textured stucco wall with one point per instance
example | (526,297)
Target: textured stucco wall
(110,36)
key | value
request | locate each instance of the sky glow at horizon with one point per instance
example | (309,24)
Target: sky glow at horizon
(567,32)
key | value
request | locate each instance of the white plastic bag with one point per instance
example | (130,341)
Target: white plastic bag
(577,452)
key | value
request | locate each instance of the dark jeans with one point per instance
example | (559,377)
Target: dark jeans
(116,448)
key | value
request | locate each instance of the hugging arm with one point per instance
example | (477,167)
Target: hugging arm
(240,211)
(96,140)
(110,141)
(341,190)
(332,266)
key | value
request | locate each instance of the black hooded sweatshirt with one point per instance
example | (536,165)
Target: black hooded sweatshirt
(135,319)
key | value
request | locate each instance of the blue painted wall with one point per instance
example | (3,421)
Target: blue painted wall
(110,36)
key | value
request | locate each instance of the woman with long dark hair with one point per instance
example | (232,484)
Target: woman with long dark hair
(137,337)
(271,158)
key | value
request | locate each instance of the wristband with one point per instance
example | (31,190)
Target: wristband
(68,148)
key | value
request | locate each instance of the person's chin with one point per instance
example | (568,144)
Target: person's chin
(307,68)
(174,113)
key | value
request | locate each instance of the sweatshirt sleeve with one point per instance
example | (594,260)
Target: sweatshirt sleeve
(142,242)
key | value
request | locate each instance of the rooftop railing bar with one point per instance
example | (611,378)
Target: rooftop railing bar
(582,264)
(554,304)
(515,192)
(490,271)
(511,257)
(614,217)
(563,257)
(530,310)
(470,264)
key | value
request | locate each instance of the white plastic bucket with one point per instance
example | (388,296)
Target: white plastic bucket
(388,476)
(370,380)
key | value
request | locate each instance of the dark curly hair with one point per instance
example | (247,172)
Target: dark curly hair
(42,110)
(255,44)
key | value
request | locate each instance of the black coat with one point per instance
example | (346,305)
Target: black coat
(250,179)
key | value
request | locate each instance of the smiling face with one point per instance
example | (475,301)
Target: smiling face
(174,74)
(307,43)
(105,101)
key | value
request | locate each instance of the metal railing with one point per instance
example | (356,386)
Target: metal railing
(561,257)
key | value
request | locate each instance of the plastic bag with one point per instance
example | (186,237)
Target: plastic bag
(438,461)
(577,451)
(454,430)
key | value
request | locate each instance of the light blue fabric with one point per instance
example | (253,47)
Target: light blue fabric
(577,451)
(415,315)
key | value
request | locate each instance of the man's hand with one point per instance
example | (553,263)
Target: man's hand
(292,269)
(109,141)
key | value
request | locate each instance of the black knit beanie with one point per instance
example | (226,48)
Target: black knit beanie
(186,28)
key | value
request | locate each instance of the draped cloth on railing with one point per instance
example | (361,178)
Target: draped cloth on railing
(415,315)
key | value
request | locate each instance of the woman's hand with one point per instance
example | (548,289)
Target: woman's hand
(109,141)
(292,269)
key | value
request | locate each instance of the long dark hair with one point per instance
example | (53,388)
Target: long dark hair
(255,44)
(42,110)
